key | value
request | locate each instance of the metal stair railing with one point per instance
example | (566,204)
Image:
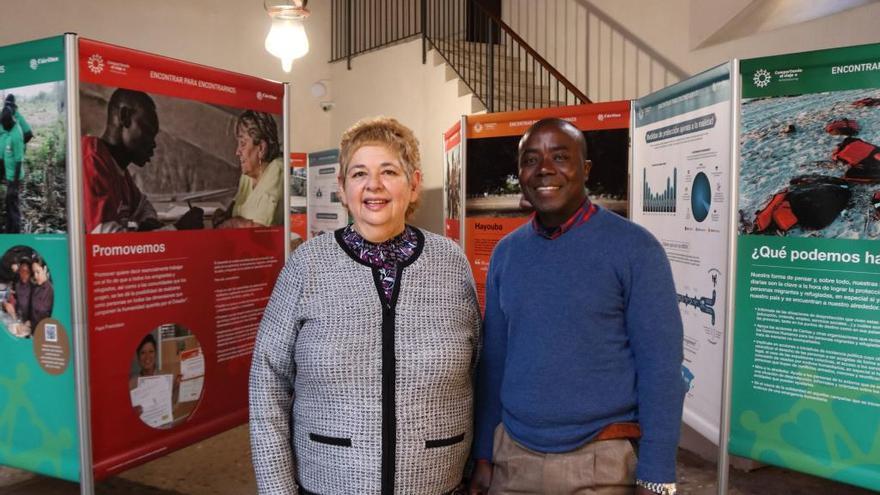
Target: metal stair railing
(361,26)
(503,71)
(590,48)
(556,53)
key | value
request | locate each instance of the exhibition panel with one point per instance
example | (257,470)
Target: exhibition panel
(37,395)
(806,389)
(681,175)
(326,212)
(299,163)
(149,241)
(453,187)
(182,248)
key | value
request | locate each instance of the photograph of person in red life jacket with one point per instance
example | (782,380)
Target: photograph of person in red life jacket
(32,159)
(192,161)
(28,294)
(810,165)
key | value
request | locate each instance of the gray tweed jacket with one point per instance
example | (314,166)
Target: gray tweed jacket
(349,394)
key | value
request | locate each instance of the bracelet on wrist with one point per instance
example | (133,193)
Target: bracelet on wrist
(658,488)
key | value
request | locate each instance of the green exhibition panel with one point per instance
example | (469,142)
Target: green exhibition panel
(38,418)
(806,369)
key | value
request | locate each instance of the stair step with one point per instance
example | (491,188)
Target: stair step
(512,84)
(500,52)
(513,106)
(507,87)
(501,75)
(519,99)
(501,71)
(515,89)
(523,96)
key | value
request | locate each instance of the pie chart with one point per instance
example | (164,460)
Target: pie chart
(701,197)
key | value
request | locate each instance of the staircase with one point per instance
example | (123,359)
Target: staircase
(504,72)
(501,70)
(515,86)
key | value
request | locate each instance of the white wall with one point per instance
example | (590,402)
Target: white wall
(666,25)
(612,67)
(227,34)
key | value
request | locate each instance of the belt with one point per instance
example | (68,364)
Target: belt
(618,430)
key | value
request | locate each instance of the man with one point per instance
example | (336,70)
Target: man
(25,127)
(12,139)
(113,201)
(582,342)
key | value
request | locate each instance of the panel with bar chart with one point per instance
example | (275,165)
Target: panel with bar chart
(660,201)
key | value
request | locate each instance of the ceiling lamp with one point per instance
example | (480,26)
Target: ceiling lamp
(287,39)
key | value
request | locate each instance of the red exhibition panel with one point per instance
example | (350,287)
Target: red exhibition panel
(452,167)
(184,206)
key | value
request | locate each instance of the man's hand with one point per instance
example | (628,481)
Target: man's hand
(149,224)
(220,216)
(481,478)
(191,220)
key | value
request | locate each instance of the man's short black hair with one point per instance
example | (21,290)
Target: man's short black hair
(561,124)
(129,98)
(7,118)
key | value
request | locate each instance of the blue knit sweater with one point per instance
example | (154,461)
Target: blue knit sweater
(580,332)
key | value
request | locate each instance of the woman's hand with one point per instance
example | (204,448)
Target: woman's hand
(239,223)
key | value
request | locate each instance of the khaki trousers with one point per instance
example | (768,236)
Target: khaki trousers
(606,467)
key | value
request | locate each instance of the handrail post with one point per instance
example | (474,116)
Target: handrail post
(490,56)
(348,33)
(424,22)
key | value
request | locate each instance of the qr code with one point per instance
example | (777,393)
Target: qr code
(51,332)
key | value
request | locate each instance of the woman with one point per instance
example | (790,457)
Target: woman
(259,201)
(18,303)
(18,300)
(146,360)
(361,375)
(42,293)
(146,356)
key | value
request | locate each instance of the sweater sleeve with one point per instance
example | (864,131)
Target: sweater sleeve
(474,321)
(490,371)
(271,385)
(655,332)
